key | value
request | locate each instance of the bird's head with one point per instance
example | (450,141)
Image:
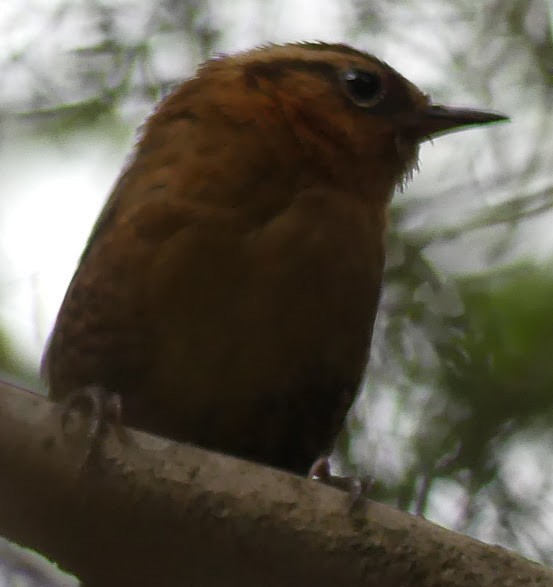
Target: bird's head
(345,111)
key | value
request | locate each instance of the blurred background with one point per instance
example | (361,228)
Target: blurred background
(456,417)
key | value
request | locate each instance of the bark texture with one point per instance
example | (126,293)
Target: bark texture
(148,511)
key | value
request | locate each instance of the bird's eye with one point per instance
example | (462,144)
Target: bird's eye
(364,87)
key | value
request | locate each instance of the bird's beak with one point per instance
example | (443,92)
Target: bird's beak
(436,120)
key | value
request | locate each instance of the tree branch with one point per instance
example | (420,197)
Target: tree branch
(149,511)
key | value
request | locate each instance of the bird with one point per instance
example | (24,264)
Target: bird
(229,287)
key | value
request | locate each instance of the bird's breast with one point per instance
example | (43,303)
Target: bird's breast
(267,316)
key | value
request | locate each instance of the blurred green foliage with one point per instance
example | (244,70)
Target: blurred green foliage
(501,362)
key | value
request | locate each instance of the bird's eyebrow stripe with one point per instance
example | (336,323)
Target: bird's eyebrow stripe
(275,70)
(336,48)
(398,100)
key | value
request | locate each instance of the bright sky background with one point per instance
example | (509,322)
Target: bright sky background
(52,191)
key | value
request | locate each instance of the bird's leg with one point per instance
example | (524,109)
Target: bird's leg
(100,408)
(356,488)
(320,470)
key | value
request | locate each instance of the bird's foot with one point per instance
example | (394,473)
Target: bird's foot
(356,488)
(98,409)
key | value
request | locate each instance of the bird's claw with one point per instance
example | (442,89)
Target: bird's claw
(100,408)
(356,488)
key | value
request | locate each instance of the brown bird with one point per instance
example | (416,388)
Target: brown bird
(229,287)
